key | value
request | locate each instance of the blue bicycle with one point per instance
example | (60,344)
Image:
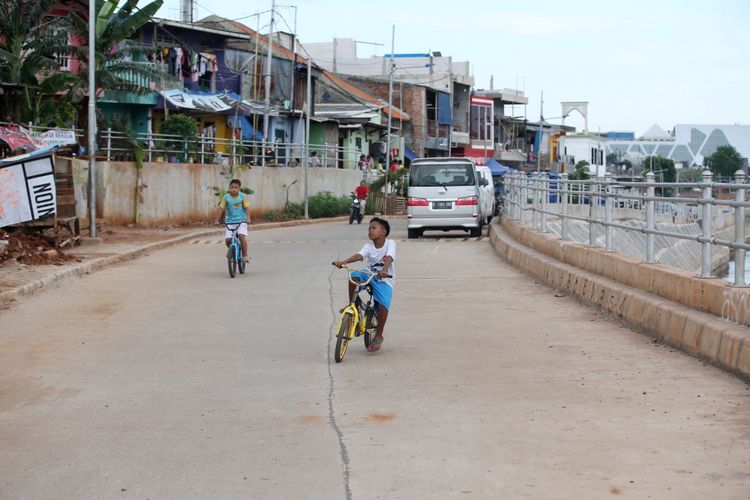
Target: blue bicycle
(234,254)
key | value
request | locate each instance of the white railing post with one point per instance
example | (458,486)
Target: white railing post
(608,201)
(203,147)
(564,186)
(707,224)
(592,212)
(739,229)
(150,140)
(109,144)
(524,197)
(544,180)
(535,199)
(650,218)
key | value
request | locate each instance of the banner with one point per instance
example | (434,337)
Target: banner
(16,137)
(53,137)
(27,187)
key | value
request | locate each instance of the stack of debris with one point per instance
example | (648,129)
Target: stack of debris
(30,249)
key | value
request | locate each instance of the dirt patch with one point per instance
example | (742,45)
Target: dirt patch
(147,234)
(31,249)
(380,417)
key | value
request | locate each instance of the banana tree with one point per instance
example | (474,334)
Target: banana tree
(29,46)
(114,65)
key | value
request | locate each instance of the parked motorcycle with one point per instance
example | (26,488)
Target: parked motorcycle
(356,211)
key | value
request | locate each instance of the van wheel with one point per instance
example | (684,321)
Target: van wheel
(414,233)
(477,231)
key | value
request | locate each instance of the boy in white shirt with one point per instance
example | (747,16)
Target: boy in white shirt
(380,255)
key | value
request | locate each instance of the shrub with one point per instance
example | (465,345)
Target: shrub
(295,211)
(326,204)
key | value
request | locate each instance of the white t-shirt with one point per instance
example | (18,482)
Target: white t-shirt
(374,258)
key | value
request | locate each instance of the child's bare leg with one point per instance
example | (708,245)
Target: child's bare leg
(378,339)
(228,241)
(243,243)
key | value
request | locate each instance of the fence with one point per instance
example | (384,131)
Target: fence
(539,194)
(207,149)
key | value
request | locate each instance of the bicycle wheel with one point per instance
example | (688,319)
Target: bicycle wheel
(343,336)
(232,263)
(370,324)
(242,265)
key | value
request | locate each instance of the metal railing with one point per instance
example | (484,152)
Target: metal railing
(539,194)
(208,149)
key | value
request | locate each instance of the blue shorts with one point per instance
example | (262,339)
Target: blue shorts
(382,292)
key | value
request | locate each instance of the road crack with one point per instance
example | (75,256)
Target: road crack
(332,393)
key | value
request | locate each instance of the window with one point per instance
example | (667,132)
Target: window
(481,123)
(426,175)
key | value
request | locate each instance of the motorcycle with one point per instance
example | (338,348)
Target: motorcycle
(356,211)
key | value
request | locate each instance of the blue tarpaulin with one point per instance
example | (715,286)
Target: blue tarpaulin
(497,168)
(444,109)
(248,132)
(410,155)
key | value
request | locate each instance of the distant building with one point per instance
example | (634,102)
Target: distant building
(686,145)
(591,148)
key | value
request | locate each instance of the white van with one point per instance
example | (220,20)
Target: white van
(443,194)
(486,193)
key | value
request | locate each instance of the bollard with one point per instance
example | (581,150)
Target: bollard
(564,207)
(739,230)
(706,224)
(608,201)
(650,219)
(544,179)
(592,233)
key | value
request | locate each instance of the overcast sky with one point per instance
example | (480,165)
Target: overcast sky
(637,62)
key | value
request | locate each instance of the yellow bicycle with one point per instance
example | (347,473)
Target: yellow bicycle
(358,318)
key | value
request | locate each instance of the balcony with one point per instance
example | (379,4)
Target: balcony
(460,139)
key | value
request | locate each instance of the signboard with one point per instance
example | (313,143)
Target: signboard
(53,137)
(18,137)
(27,187)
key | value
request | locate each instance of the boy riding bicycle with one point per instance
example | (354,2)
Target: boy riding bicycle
(380,255)
(235,209)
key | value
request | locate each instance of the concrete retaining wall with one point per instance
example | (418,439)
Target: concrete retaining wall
(714,296)
(179,193)
(596,278)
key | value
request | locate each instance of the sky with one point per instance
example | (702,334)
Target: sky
(636,62)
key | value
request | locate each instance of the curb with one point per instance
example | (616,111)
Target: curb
(97,264)
(699,334)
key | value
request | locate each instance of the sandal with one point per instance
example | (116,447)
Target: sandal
(375,344)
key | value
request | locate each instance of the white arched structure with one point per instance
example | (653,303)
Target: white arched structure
(581,106)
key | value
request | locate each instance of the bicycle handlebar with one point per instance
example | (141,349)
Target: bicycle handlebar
(361,283)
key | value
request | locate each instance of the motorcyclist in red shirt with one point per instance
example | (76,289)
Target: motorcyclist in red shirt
(361,192)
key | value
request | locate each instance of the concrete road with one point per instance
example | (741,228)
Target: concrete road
(164,379)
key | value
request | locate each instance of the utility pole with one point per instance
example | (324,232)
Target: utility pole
(294,77)
(267,99)
(307,131)
(391,70)
(92,120)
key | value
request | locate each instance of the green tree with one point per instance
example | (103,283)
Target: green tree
(186,128)
(663,168)
(724,162)
(28,49)
(581,172)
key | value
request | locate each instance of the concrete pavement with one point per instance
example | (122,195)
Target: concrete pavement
(164,378)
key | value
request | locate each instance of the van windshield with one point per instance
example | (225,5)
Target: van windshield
(426,175)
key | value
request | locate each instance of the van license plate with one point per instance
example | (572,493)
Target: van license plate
(442,205)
